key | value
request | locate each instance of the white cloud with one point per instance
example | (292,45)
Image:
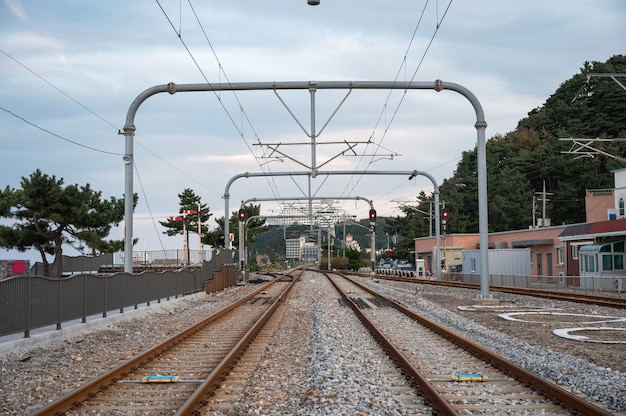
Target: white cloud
(16,7)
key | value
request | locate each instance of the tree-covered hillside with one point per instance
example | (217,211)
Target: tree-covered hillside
(520,162)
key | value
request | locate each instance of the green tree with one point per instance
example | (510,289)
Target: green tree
(193,214)
(254,226)
(49,215)
(355,259)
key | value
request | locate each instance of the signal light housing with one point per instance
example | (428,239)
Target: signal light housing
(445,215)
(242,214)
(372,215)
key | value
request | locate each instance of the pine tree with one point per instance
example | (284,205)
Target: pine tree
(49,215)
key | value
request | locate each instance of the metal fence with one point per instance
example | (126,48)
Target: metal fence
(28,302)
(165,257)
(614,284)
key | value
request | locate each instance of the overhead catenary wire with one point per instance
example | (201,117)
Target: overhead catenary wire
(349,189)
(243,113)
(58,89)
(94,114)
(239,130)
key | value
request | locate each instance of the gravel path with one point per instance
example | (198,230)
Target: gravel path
(310,366)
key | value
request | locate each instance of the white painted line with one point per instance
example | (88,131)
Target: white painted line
(596,318)
(565,333)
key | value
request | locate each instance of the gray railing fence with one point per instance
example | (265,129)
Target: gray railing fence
(604,283)
(29,302)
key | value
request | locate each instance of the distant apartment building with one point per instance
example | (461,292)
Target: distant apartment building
(298,249)
(293,248)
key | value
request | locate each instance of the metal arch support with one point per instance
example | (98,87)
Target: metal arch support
(438,85)
(410,174)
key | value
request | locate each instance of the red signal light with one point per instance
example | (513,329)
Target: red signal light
(445,214)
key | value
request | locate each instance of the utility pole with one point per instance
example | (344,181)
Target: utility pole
(544,199)
(200,251)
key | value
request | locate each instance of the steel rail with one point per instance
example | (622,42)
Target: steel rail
(431,395)
(560,396)
(197,399)
(86,391)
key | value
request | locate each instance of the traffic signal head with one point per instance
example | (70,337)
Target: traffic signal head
(372,215)
(445,214)
(242,214)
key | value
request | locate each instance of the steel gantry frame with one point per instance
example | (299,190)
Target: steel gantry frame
(312,87)
(409,174)
(242,257)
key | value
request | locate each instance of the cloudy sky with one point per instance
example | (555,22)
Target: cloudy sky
(70,71)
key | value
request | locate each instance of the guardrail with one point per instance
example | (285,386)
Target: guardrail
(29,302)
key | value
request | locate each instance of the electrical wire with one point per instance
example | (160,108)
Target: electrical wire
(383,111)
(30,123)
(92,148)
(221,102)
(274,189)
(143,191)
(244,114)
(94,114)
(56,88)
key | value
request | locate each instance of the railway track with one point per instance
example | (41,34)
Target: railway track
(180,374)
(455,375)
(599,300)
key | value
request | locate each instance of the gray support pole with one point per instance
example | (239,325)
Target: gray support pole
(482,210)
(373,249)
(483,229)
(319,245)
(437,238)
(242,247)
(129,132)
(310,203)
(312,89)
(328,233)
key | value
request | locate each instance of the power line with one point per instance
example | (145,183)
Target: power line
(57,88)
(274,189)
(58,135)
(178,170)
(93,113)
(99,117)
(384,108)
(149,209)
(241,109)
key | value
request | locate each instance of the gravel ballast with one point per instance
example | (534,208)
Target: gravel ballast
(320,361)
